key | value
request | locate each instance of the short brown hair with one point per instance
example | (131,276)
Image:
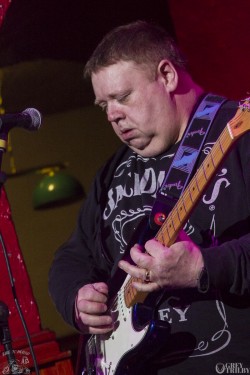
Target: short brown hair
(141,42)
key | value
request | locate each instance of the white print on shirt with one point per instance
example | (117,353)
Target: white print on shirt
(122,168)
(171,313)
(208,148)
(219,340)
(134,185)
(147,184)
(188,228)
(126,218)
(216,189)
(220,337)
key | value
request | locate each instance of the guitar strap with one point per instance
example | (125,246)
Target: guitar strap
(185,158)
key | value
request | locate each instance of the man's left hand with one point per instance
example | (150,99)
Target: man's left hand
(177,266)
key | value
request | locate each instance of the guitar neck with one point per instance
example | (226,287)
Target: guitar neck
(179,215)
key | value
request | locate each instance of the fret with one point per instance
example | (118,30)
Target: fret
(218,148)
(181,209)
(177,213)
(163,235)
(186,200)
(222,145)
(208,167)
(170,227)
(175,218)
(131,295)
(200,179)
(193,191)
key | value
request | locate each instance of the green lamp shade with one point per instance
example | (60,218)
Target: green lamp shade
(56,189)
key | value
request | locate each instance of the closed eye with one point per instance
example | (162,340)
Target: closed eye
(123,98)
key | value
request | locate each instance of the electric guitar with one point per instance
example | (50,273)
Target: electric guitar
(138,334)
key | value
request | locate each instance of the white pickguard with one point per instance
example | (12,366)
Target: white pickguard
(112,347)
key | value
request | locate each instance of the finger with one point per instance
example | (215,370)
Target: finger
(101,288)
(99,331)
(182,236)
(132,270)
(141,259)
(138,246)
(90,307)
(95,320)
(146,287)
(91,292)
(95,325)
(154,248)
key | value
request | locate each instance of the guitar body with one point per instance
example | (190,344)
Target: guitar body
(137,336)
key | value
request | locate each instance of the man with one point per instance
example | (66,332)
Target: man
(201,281)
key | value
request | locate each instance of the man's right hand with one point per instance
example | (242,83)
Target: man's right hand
(91,309)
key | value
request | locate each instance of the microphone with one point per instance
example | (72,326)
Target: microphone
(30,119)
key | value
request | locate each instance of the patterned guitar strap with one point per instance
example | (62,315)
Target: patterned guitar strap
(185,159)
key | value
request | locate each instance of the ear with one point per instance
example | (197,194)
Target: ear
(168,73)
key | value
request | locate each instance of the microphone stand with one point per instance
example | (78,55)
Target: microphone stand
(5,336)
(3,147)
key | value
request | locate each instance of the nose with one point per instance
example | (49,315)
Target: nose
(114,112)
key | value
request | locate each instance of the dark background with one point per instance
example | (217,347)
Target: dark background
(213,33)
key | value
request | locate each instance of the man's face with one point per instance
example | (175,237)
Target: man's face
(139,107)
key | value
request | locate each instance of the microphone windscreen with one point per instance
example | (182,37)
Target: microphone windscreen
(35,117)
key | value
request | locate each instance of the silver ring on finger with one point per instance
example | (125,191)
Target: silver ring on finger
(147,277)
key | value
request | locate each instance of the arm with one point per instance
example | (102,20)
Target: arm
(78,261)
(81,261)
